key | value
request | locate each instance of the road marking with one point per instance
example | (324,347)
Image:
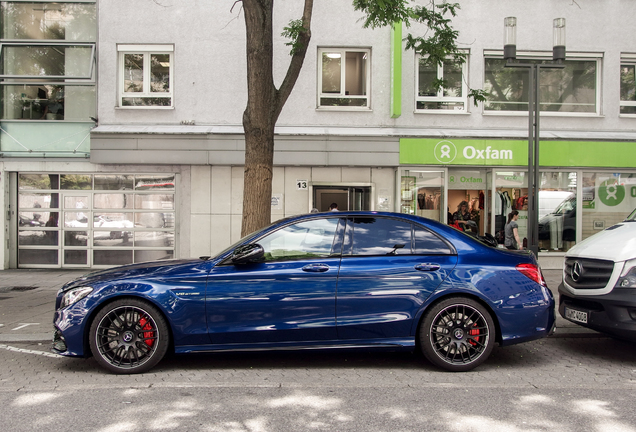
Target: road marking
(23,325)
(27,351)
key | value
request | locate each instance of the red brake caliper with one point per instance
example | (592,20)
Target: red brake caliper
(145,325)
(474,332)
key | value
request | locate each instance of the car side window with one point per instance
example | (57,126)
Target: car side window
(427,243)
(309,239)
(381,236)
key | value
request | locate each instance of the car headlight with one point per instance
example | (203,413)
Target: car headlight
(74,295)
(628,276)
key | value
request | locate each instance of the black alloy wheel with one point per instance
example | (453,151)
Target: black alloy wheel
(129,336)
(457,334)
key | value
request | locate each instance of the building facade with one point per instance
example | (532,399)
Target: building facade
(142,158)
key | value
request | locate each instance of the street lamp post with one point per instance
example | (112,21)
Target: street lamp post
(534,70)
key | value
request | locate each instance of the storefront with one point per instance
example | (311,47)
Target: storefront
(593,180)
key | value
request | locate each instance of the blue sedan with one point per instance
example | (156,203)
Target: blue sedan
(316,281)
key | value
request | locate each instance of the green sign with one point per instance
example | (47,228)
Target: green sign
(491,152)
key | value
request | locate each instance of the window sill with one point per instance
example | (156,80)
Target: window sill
(144,108)
(543,114)
(344,109)
(442,112)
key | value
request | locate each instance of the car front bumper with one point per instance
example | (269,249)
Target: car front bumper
(612,313)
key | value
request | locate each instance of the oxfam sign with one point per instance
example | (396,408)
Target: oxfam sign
(463,152)
(610,193)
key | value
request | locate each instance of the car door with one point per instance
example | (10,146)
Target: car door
(389,268)
(288,296)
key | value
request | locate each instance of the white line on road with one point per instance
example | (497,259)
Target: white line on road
(27,351)
(23,325)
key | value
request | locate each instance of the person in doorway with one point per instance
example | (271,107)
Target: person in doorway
(511,232)
(333,207)
(462,215)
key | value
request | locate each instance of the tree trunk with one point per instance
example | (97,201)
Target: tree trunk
(264,104)
(258,119)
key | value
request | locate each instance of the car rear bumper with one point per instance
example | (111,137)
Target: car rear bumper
(613,313)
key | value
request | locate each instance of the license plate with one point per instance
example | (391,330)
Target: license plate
(576,315)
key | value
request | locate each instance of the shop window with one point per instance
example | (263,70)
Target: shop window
(608,198)
(467,200)
(343,78)
(557,210)
(628,86)
(422,193)
(451,96)
(146,76)
(511,193)
(574,89)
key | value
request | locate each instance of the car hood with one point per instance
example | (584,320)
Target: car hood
(146,269)
(616,243)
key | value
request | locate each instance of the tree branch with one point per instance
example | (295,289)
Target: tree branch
(297,60)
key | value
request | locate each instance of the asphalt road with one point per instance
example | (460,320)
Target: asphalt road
(555,384)
(577,380)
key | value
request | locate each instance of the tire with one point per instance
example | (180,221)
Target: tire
(129,336)
(457,334)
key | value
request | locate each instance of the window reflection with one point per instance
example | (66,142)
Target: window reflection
(114,182)
(379,236)
(303,240)
(49,21)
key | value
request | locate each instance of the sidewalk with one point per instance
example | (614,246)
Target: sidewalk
(27,303)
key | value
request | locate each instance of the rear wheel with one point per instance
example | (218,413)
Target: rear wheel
(457,334)
(129,336)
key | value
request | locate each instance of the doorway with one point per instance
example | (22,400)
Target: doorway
(346,197)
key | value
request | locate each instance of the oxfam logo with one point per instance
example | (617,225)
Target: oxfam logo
(611,194)
(445,151)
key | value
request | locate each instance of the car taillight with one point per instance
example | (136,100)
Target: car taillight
(533,272)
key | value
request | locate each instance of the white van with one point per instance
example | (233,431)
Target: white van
(599,281)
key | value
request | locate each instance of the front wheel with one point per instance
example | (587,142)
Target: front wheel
(129,336)
(457,334)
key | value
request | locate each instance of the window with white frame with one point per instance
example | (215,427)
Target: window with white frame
(574,89)
(628,84)
(146,76)
(343,77)
(452,95)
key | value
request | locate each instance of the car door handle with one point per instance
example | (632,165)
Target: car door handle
(428,267)
(316,268)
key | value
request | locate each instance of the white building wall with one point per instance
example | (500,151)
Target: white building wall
(217,199)
(210,83)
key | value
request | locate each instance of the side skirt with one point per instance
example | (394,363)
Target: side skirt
(384,344)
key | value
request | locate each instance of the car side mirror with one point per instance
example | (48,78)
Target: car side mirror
(247,253)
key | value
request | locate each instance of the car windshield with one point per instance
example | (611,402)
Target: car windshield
(631,217)
(566,206)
